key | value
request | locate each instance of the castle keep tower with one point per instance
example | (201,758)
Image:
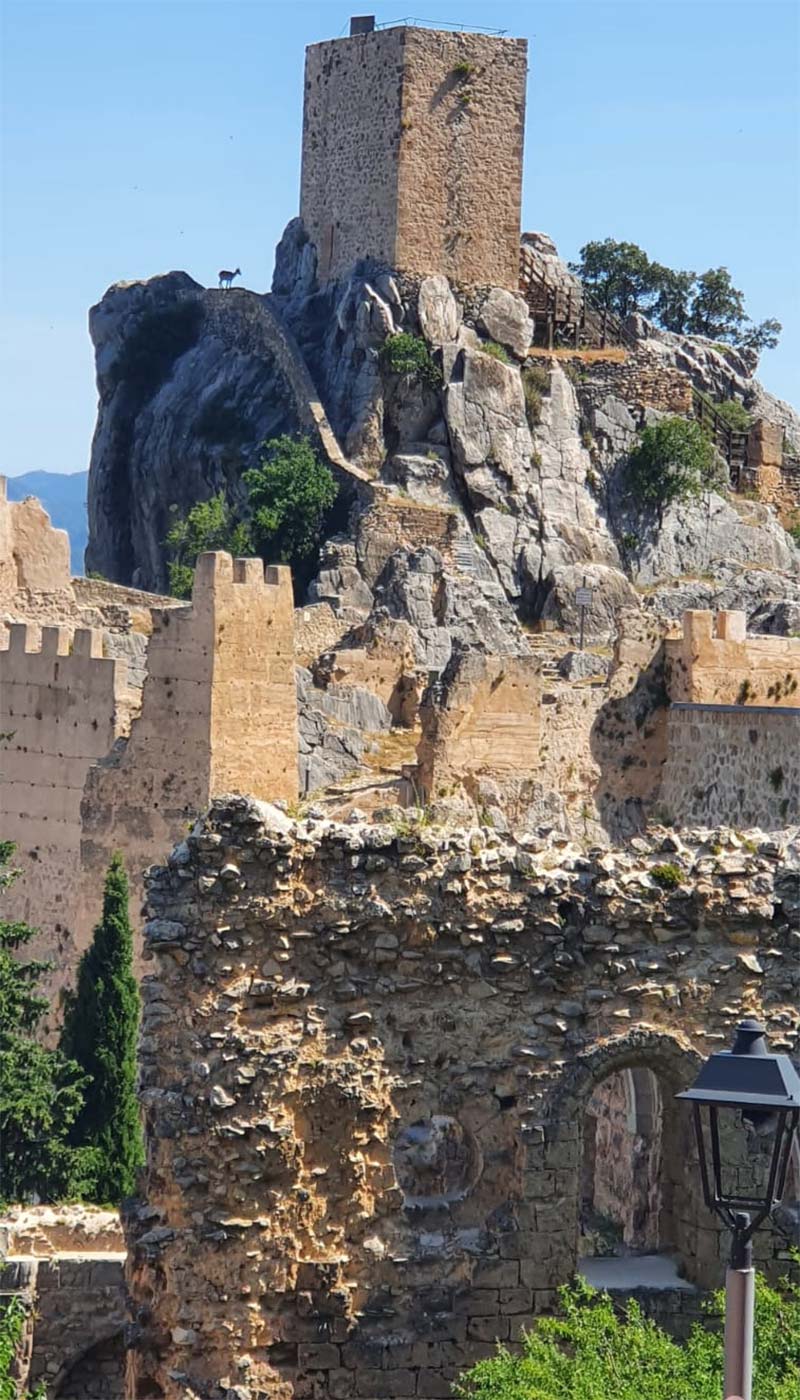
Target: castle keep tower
(412,153)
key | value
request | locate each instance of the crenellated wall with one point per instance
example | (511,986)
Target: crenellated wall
(80,780)
(716,662)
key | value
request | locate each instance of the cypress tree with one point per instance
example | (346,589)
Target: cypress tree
(100,1029)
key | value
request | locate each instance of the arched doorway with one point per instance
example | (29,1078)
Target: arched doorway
(97,1374)
(621,1177)
(615,1128)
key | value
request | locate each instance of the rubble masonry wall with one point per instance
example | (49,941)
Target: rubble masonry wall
(366,1061)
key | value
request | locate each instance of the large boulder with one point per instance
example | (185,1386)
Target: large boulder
(439,312)
(505,317)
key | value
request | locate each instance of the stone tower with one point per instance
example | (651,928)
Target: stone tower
(412,153)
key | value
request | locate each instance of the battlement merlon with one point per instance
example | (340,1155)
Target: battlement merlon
(715,661)
(412,153)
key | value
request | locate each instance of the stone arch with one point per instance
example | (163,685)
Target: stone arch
(655,1066)
(97,1372)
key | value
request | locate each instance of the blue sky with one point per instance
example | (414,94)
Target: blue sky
(145,135)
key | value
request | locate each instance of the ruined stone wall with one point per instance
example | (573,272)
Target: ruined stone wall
(412,161)
(481,728)
(68,1264)
(715,662)
(366,1060)
(641,381)
(732,764)
(391,522)
(34,558)
(63,706)
(219,714)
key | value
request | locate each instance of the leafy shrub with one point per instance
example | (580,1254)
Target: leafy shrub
(12,1325)
(497,352)
(288,495)
(463,70)
(409,355)
(591,1352)
(734,413)
(673,461)
(794,528)
(209,524)
(668,876)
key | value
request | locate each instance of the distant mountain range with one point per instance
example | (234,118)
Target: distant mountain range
(63,495)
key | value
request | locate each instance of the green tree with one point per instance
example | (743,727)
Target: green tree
(289,493)
(673,297)
(590,1352)
(99,1032)
(764,336)
(41,1091)
(718,307)
(619,275)
(210,524)
(674,460)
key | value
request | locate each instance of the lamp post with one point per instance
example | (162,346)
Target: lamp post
(765,1088)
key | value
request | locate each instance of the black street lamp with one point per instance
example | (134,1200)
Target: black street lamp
(765,1088)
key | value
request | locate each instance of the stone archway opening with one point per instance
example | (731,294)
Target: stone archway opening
(615,1128)
(621,1178)
(97,1374)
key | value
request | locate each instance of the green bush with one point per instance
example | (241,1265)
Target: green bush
(12,1325)
(497,352)
(734,413)
(535,384)
(668,876)
(209,524)
(591,1352)
(673,461)
(100,1029)
(288,496)
(409,355)
(794,527)
(41,1091)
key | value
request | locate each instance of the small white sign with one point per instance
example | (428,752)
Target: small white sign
(583,597)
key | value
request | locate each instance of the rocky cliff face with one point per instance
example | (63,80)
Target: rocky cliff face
(191,381)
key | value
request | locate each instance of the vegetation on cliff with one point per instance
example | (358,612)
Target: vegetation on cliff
(591,1352)
(41,1091)
(99,1033)
(622,277)
(674,460)
(288,496)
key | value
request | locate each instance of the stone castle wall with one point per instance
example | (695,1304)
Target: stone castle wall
(80,780)
(34,558)
(68,1265)
(641,381)
(732,764)
(481,729)
(413,160)
(716,662)
(367,1059)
